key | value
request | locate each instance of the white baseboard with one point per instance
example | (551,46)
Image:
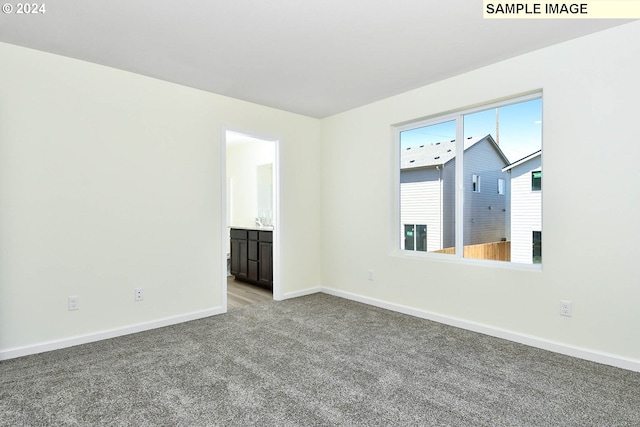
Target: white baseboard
(126,330)
(556,347)
(304,292)
(103,335)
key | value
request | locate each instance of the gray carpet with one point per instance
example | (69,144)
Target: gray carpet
(316,360)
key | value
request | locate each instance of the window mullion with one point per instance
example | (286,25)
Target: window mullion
(459,230)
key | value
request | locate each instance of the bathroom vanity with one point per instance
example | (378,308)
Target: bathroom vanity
(252,255)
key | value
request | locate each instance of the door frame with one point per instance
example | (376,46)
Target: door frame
(277,213)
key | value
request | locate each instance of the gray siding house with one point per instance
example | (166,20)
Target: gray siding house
(427,194)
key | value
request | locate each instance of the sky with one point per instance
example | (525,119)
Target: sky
(519,129)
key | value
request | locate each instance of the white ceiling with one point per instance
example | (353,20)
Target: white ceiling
(312,57)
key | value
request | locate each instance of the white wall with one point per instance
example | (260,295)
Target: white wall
(111,181)
(591,90)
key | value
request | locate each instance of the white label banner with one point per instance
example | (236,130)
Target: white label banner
(596,9)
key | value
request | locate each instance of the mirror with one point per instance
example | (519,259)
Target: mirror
(265,194)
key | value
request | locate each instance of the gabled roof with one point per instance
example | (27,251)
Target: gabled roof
(522,160)
(439,153)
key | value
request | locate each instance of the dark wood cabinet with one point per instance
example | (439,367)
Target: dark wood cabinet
(265,271)
(252,256)
(239,254)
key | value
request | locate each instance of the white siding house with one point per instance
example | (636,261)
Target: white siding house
(421,199)
(427,192)
(526,207)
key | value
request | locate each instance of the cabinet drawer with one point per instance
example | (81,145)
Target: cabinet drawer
(253,235)
(238,234)
(265,236)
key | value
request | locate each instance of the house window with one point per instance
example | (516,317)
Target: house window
(415,237)
(537,247)
(443,161)
(475,183)
(536,181)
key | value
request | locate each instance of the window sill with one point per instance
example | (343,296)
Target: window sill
(455,259)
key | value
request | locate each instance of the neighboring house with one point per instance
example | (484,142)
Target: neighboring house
(526,209)
(427,194)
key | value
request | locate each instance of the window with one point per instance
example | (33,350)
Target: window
(536,181)
(475,183)
(500,142)
(415,237)
(537,247)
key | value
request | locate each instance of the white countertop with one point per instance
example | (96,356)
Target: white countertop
(254,227)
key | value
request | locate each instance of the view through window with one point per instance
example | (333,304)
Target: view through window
(495,153)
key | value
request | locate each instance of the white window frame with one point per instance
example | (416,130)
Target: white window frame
(415,237)
(533,190)
(533,245)
(501,186)
(458,257)
(475,184)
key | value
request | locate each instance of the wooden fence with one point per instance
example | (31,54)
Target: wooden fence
(499,251)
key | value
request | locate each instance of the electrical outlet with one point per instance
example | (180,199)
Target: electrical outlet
(371,275)
(565,308)
(139,294)
(74,303)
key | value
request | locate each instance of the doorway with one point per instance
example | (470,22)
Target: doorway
(251,202)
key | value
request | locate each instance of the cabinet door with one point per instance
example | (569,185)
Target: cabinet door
(243,260)
(235,256)
(253,271)
(253,250)
(265,274)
